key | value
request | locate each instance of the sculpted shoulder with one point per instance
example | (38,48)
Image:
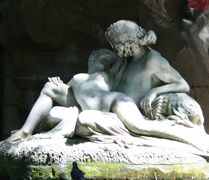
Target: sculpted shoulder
(155,60)
(80,77)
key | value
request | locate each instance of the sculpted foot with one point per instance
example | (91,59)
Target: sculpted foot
(17,135)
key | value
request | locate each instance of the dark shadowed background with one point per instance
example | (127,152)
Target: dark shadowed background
(42,38)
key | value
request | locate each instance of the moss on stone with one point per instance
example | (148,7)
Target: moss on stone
(124,171)
(99,170)
(52,172)
(121,171)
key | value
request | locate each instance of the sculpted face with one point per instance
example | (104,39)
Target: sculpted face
(128,39)
(124,37)
(125,48)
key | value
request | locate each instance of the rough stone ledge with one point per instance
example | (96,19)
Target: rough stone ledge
(51,158)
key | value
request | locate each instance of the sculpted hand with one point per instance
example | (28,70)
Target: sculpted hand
(55,80)
(146,104)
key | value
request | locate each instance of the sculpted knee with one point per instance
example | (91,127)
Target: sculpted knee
(47,88)
(86,118)
(55,112)
(50,89)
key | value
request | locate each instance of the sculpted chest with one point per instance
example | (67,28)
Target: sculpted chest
(135,80)
(135,72)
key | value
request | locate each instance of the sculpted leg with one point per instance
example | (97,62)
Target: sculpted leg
(133,120)
(41,108)
(128,113)
(67,118)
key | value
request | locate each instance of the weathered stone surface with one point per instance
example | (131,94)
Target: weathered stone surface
(41,156)
(44,153)
(43,149)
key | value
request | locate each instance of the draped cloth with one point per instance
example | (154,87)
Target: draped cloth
(106,127)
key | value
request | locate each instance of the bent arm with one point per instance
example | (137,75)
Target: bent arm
(171,79)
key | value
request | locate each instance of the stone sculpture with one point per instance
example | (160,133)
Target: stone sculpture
(119,94)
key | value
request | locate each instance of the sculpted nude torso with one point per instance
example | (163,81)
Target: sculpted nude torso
(145,73)
(90,91)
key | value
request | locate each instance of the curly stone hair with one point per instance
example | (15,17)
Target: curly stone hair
(131,31)
(103,57)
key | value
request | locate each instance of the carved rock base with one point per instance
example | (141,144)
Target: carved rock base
(42,157)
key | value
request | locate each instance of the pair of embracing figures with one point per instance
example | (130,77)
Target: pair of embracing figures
(122,90)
